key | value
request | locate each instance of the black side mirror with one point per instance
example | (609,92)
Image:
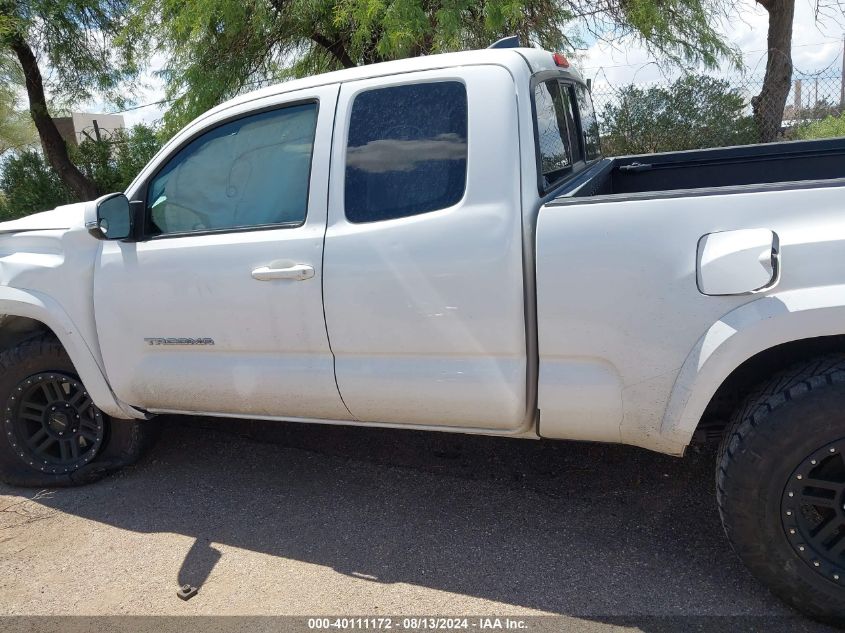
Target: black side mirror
(111,218)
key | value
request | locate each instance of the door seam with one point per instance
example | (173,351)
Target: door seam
(323,254)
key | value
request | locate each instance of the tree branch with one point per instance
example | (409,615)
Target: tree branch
(335,48)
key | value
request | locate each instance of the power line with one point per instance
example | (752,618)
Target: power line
(255,82)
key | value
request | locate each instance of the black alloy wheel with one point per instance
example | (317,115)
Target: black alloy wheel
(813,511)
(52,424)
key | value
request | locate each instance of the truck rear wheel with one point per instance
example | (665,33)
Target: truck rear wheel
(51,433)
(780,482)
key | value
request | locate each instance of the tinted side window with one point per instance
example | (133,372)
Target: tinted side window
(407,151)
(249,172)
(553,111)
(589,123)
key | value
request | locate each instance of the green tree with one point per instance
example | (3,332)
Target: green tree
(16,129)
(216,48)
(28,184)
(695,111)
(113,163)
(76,40)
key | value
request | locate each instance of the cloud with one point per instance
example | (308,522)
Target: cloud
(816,45)
(377,157)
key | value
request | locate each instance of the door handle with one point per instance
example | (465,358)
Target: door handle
(298,272)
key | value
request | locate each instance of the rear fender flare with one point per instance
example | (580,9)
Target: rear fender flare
(739,335)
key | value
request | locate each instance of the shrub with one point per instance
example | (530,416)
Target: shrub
(828,127)
(694,112)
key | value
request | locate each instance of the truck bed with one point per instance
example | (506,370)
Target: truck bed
(792,161)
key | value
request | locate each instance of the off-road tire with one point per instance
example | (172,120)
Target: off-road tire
(794,420)
(122,442)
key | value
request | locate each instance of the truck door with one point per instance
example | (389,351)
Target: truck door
(218,307)
(423,257)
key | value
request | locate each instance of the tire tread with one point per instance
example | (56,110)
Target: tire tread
(747,433)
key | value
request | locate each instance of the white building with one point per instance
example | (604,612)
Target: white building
(84,125)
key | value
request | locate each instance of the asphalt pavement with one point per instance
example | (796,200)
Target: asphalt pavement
(269,519)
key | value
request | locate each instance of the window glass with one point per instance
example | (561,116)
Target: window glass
(407,151)
(554,120)
(589,123)
(249,172)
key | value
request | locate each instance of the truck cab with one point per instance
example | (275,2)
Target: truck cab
(376,247)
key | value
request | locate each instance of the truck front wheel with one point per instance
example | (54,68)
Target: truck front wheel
(780,484)
(52,433)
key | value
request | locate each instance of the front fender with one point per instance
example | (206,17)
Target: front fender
(740,334)
(35,305)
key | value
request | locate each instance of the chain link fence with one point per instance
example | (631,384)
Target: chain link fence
(697,111)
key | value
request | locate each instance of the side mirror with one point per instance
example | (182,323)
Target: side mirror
(109,217)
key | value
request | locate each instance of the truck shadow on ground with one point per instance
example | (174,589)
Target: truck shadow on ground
(579,529)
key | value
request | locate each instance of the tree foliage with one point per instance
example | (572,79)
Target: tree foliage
(16,128)
(77,41)
(695,111)
(217,48)
(112,164)
(29,185)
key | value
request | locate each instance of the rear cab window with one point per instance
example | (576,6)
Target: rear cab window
(566,130)
(407,151)
(589,124)
(554,120)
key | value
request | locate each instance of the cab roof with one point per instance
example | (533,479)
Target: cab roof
(530,60)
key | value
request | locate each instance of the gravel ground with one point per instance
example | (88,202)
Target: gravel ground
(302,520)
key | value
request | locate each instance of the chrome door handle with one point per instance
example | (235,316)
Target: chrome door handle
(298,272)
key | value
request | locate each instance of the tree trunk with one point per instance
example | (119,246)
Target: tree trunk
(52,142)
(769,104)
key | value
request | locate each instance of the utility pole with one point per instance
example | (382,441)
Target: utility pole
(842,81)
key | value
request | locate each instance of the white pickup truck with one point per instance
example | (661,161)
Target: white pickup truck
(437,243)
